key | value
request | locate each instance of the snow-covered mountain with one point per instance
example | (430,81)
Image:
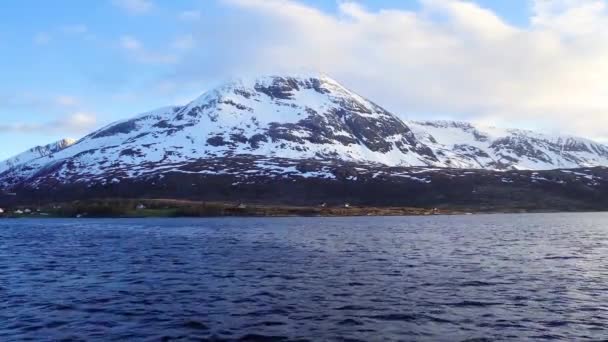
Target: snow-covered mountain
(295,117)
(464,145)
(35,153)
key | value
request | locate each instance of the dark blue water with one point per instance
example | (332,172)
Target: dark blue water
(495,277)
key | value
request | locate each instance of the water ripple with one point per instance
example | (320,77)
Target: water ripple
(473,278)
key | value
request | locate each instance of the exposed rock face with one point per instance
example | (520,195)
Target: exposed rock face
(308,118)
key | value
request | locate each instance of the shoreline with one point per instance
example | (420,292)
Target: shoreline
(170,208)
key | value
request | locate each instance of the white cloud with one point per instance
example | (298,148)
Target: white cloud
(66,101)
(134,6)
(130,43)
(31,101)
(185,42)
(191,15)
(141,54)
(42,38)
(450,58)
(75,29)
(76,123)
(80,122)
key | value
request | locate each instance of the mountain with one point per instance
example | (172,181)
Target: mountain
(39,152)
(464,145)
(288,128)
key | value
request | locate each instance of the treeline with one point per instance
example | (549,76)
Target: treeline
(124,208)
(170,208)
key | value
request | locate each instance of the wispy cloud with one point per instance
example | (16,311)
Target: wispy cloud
(66,101)
(130,43)
(136,50)
(76,123)
(191,15)
(185,42)
(134,6)
(42,38)
(75,29)
(35,101)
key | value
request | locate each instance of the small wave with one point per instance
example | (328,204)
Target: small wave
(473,303)
(354,308)
(350,322)
(566,257)
(396,317)
(262,313)
(266,324)
(556,323)
(261,338)
(355,284)
(477,283)
(195,325)
(55,324)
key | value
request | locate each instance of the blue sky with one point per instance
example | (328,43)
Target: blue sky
(70,66)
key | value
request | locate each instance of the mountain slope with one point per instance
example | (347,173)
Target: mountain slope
(305,117)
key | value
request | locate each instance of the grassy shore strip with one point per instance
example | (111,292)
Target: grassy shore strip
(142,208)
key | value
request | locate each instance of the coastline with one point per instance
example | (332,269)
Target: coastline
(170,208)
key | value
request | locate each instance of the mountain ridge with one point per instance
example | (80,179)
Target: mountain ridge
(35,153)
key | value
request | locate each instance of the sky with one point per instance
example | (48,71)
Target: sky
(71,66)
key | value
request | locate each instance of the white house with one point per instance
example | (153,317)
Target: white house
(1,211)
(19,212)
(140,207)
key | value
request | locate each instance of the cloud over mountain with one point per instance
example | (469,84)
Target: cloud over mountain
(450,58)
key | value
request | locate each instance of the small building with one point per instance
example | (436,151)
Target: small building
(242,206)
(140,206)
(323,205)
(346,205)
(1,211)
(19,212)
(28,211)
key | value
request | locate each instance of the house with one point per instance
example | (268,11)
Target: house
(140,207)
(242,206)
(346,205)
(19,212)
(1,211)
(28,211)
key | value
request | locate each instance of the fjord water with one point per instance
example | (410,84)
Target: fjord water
(533,276)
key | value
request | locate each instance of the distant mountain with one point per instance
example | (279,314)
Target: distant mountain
(35,153)
(464,145)
(275,124)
